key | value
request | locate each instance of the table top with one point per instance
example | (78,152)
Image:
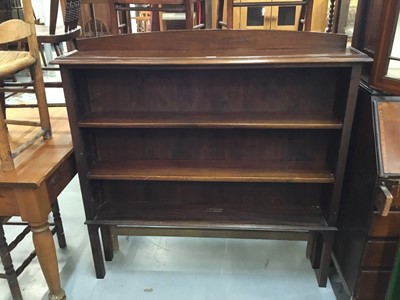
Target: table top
(39,161)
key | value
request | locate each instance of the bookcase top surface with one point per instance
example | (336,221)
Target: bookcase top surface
(214,47)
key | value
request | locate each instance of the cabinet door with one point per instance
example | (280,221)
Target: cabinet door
(385,73)
(267,17)
(252,17)
(284,17)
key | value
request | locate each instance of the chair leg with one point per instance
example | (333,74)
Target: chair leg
(96,250)
(41,50)
(59,225)
(57,49)
(10,273)
(37,75)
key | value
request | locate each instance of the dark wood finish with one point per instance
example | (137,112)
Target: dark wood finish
(379,253)
(366,27)
(385,226)
(374,285)
(9,270)
(388,25)
(374,30)
(365,244)
(232,131)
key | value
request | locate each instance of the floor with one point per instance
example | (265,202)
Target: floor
(163,268)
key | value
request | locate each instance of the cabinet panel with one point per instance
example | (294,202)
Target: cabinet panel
(222,90)
(387,226)
(266,17)
(217,144)
(373,285)
(379,253)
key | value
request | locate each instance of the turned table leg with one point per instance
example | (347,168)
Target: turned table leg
(46,253)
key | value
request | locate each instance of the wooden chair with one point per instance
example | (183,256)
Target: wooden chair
(11,63)
(120,12)
(305,16)
(55,35)
(10,273)
(94,23)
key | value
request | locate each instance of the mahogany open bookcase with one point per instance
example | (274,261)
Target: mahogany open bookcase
(218,133)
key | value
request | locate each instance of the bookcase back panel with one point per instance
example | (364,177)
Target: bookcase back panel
(306,90)
(206,144)
(262,195)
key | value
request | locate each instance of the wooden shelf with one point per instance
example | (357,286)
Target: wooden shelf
(209,170)
(229,130)
(218,216)
(273,120)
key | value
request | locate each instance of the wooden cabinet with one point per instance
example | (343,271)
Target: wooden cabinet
(278,15)
(212,133)
(267,17)
(369,218)
(377,33)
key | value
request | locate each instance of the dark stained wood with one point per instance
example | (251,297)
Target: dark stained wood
(385,226)
(373,285)
(366,241)
(388,27)
(220,216)
(271,195)
(379,253)
(210,120)
(217,40)
(366,29)
(212,130)
(206,170)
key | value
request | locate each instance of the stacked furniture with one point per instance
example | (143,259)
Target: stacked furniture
(366,244)
(212,133)
(30,192)
(369,218)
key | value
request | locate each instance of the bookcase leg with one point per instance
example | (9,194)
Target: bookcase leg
(96,250)
(314,249)
(107,242)
(325,259)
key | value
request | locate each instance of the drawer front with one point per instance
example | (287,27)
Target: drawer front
(379,254)
(8,202)
(373,285)
(388,226)
(394,188)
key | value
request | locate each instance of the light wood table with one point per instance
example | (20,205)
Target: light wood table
(41,173)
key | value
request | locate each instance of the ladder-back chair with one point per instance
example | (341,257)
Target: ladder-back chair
(56,35)
(11,62)
(121,19)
